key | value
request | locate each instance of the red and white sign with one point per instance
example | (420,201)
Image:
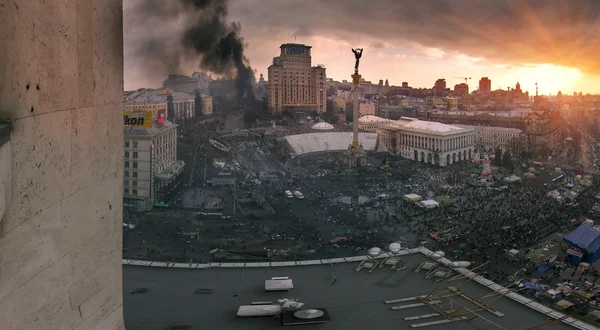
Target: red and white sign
(575,252)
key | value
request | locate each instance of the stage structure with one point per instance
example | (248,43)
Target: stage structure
(356,154)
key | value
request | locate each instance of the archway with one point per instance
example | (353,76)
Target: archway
(470,154)
(422,156)
(436,159)
(454,158)
(464,155)
(416,156)
(448,159)
(429,158)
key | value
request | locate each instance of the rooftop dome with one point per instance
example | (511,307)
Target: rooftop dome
(322,126)
(371,119)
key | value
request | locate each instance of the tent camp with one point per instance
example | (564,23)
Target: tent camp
(413,197)
(430,203)
(585,239)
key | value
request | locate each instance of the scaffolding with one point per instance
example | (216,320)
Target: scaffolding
(445,300)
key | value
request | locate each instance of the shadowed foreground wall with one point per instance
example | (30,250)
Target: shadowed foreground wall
(61,84)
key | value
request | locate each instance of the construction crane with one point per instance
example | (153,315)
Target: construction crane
(465,78)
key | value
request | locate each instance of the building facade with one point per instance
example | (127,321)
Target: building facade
(157,101)
(293,84)
(198,81)
(491,138)
(543,129)
(153,175)
(427,142)
(485,85)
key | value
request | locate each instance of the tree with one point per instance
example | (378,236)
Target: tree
(334,119)
(349,115)
(507,160)
(498,157)
(199,106)
(330,106)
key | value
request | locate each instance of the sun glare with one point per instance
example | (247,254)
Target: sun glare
(551,78)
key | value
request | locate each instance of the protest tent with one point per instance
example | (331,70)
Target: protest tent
(430,203)
(413,197)
(587,239)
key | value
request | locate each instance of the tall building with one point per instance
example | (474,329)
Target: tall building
(461,89)
(440,85)
(485,85)
(61,204)
(153,175)
(293,84)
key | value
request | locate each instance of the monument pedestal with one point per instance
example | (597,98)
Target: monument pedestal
(356,156)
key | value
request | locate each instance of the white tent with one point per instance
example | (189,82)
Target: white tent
(413,197)
(430,204)
(512,178)
(322,126)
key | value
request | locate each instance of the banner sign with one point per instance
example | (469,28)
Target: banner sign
(137,119)
(575,252)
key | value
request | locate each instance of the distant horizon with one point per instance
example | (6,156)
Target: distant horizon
(557,45)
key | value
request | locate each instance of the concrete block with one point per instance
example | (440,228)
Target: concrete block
(107,23)
(33,295)
(88,278)
(41,44)
(41,154)
(107,317)
(96,147)
(56,314)
(108,298)
(28,249)
(114,321)
(96,207)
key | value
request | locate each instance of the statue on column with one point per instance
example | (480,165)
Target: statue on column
(357,55)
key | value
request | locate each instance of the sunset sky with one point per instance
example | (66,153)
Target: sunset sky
(554,42)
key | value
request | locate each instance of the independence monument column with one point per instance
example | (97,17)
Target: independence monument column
(356,154)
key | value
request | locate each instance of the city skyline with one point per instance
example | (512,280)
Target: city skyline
(548,42)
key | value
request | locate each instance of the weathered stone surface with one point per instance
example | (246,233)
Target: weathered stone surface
(42,51)
(29,249)
(60,237)
(41,152)
(94,126)
(34,294)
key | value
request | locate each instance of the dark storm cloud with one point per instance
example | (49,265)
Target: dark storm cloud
(560,32)
(168,34)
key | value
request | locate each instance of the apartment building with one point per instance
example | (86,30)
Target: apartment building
(153,175)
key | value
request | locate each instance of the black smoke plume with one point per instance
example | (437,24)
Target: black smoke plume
(206,37)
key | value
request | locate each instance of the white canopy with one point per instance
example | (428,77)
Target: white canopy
(430,203)
(512,178)
(322,126)
(413,197)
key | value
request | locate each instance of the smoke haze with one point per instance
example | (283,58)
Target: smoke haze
(177,33)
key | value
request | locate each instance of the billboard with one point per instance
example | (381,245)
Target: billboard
(137,119)
(161,116)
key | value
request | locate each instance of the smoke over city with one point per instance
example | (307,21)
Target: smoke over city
(182,32)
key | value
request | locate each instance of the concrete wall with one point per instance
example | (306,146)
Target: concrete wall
(61,64)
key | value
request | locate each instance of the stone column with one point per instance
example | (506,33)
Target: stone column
(61,236)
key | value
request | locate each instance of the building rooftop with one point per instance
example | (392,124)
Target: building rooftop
(416,125)
(175,168)
(132,132)
(150,96)
(354,301)
(492,128)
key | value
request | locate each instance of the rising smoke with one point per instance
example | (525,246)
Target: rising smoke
(206,38)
